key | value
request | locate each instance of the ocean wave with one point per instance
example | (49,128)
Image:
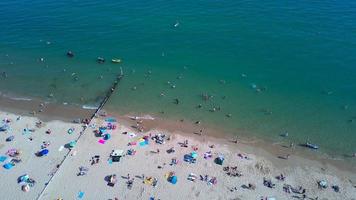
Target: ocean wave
(147,117)
(89,107)
(20,99)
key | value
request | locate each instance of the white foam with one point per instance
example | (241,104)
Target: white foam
(89,107)
(21,99)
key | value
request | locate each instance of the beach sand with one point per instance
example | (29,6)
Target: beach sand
(66,184)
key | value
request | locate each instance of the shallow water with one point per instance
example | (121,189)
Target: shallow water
(300,54)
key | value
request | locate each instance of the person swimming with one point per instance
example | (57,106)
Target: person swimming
(100,60)
(4,74)
(70,54)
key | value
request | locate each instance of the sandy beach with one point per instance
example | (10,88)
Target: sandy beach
(145,169)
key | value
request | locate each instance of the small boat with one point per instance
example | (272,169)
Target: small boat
(311,146)
(116,60)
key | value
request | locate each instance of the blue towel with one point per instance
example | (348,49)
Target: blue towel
(80,195)
(3,158)
(110,119)
(8,166)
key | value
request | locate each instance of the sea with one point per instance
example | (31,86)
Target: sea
(258,68)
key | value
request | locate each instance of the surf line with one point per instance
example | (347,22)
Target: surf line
(109,93)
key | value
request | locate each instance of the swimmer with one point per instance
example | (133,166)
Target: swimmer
(70,54)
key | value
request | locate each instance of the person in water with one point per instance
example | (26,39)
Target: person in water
(70,54)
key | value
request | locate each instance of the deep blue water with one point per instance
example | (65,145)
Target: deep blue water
(300,54)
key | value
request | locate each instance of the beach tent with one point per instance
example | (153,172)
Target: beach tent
(43,152)
(23,178)
(116,155)
(189,158)
(173,179)
(72,144)
(107,136)
(102,130)
(219,160)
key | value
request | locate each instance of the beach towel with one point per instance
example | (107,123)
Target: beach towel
(132,143)
(101,141)
(26,131)
(80,195)
(61,148)
(142,144)
(8,166)
(110,119)
(3,158)
(194,154)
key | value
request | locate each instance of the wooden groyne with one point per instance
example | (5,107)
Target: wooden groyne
(108,94)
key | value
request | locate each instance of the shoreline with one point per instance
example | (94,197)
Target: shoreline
(68,113)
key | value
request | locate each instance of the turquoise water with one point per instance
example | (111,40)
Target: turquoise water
(301,55)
